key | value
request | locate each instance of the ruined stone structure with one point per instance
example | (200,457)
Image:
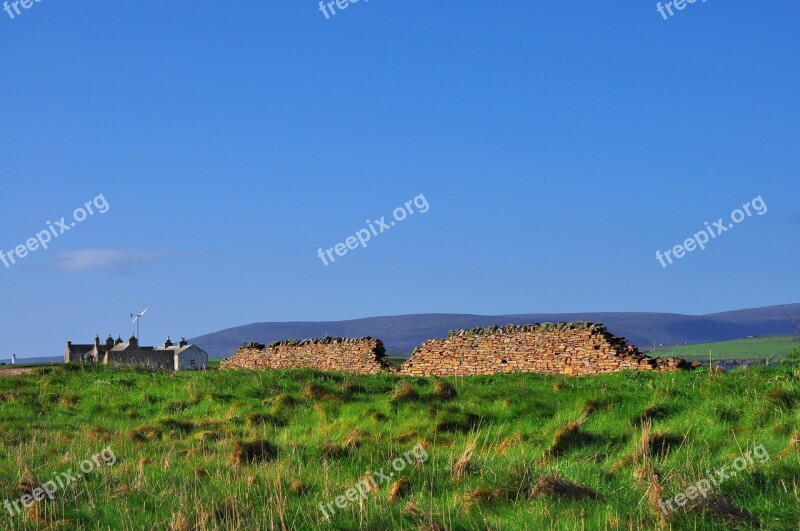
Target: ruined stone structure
(360,356)
(576,349)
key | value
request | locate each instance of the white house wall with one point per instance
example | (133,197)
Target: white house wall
(183,361)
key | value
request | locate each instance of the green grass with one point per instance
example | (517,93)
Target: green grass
(738,349)
(397,362)
(261,450)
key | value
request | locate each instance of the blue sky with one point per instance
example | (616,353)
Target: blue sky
(558,145)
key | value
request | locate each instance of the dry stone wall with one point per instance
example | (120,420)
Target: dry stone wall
(359,356)
(576,349)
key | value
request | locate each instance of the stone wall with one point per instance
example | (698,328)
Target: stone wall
(149,358)
(360,356)
(566,348)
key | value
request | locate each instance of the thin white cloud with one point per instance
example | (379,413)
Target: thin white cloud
(124,261)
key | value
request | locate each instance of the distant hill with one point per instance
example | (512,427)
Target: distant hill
(402,333)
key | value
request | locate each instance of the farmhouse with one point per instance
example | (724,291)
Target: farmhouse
(169,357)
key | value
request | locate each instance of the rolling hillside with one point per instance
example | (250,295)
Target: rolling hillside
(402,333)
(737,349)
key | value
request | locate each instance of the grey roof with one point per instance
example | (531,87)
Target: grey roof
(176,348)
(82,349)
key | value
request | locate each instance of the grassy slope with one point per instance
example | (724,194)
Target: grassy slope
(180,474)
(753,348)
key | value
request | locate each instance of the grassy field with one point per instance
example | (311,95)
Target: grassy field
(263,450)
(738,349)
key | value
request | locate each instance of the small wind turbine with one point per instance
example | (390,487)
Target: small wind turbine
(136,318)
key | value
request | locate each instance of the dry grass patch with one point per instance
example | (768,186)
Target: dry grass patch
(782,397)
(377,417)
(662,443)
(251,453)
(485,496)
(645,476)
(721,507)
(350,389)
(180,522)
(69,401)
(794,442)
(143,434)
(423,520)
(281,401)
(506,444)
(260,419)
(190,452)
(98,433)
(8,397)
(313,391)
(464,464)
(404,392)
(399,490)
(570,436)
(443,391)
(355,438)
(176,426)
(229,514)
(651,413)
(407,436)
(299,488)
(461,422)
(600,404)
(207,436)
(553,486)
(335,451)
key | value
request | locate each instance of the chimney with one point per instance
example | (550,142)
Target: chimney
(118,341)
(167,343)
(133,341)
(97,341)
(109,342)
(183,342)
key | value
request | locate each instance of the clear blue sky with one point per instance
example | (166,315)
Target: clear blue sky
(558,144)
